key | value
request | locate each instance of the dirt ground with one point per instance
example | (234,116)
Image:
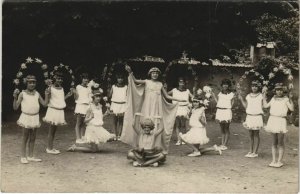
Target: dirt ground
(110,171)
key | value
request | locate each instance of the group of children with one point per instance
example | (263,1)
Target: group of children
(148,124)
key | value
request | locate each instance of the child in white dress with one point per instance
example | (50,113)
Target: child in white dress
(55,114)
(196,136)
(254,119)
(146,154)
(118,95)
(82,95)
(95,133)
(224,112)
(279,106)
(183,110)
(29,120)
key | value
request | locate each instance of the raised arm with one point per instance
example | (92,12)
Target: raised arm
(265,103)
(128,69)
(243,101)
(158,132)
(290,103)
(18,97)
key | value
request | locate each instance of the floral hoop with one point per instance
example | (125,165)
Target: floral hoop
(168,68)
(240,85)
(67,69)
(286,71)
(23,66)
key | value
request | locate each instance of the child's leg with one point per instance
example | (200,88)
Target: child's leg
(77,127)
(115,120)
(177,125)
(155,158)
(132,156)
(256,141)
(222,126)
(121,118)
(32,138)
(195,149)
(280,147)
(82,126)
(251,135)
(274,146)
(209,149)
(227,133)
(92,148)
(24,142)
(51,134)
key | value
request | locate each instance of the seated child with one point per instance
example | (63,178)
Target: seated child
(146,154)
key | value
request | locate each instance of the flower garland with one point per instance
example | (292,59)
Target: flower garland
(258,76)
(23,66)
(67,69)
(286,71)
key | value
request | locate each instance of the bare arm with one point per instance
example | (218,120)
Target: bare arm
(17,100)
(89,115)
(136,123)
(243,101)
(191,96)
(158,132)
(69,94)
(75,93)
(214,96)
(265,103)
(290,103)
(46,101)
(128,69)
(167,96)
(170,93)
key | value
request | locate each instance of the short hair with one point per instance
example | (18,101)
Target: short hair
(226,82)
(84,76)
(147,122)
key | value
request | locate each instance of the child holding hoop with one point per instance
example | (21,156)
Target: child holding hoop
(29,120)
(254,119)
(82,98)
(183,110)
(55,115)
(118,95)
(279,106)
(224,112)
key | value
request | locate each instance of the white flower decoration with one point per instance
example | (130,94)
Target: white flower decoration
(96,85)
(208,95)
(46,74)
(16,81)
(275,69)
(291,86)
(72,83)
(206,102)
(271,75)
(280,66)
(44,66)
(290,77)
(107,105)
(257,74)
(71,71)
(266,82)
(100,90)
(252,70)
(19,74)
(38,60)
(23,66)
(61,64)
(67,67)
(199,91)
(246,72)
(207,89)
(264,89)
(29,60)
(55,67)
(105,98)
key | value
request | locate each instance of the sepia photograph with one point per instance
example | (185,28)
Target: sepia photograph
(120,96)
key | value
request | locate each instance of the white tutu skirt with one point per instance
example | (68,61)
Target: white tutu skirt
(81,109)
(118,108)
(29,121)
(55,117)
(196,135)
(224,115)
(97,134)
(254,122)
(276,125)
(182,111)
